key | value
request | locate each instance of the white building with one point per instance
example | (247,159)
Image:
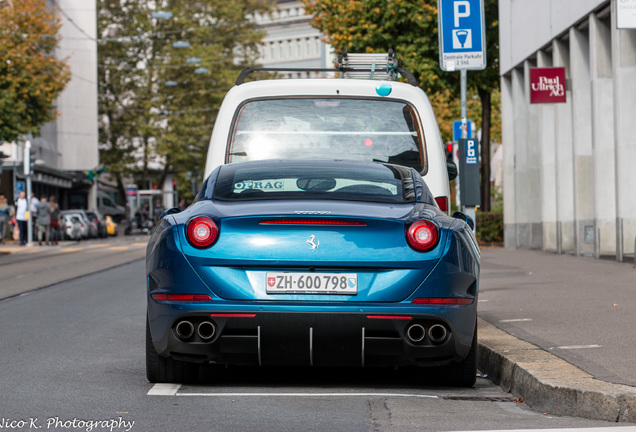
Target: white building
(70,143)
(569,176)
(291,41)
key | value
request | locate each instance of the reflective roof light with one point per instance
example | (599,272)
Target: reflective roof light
(171,83)
(181,44)
(192,60)
(201,70)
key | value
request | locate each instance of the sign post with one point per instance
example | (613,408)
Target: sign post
(462,46)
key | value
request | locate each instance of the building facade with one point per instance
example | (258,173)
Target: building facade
(67,147)
(291,41)
(568,174)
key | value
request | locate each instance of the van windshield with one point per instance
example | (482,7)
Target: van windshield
(335,128)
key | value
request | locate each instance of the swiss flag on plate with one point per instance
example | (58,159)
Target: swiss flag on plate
(271,281)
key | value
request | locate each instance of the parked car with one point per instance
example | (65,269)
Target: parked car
(71,227)
(89,228)
(304,262)
(95,217)
(356,118)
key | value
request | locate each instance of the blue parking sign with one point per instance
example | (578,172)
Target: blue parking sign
(462,41)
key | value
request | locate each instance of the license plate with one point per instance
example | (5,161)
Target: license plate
(312,283)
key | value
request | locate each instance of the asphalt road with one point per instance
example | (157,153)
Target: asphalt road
(73,354)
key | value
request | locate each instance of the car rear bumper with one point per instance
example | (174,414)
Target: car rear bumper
(314,338)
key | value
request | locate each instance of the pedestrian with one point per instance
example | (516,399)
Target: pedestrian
(43,220)
(21,207)
(34,210)
(5,216)
(55,221)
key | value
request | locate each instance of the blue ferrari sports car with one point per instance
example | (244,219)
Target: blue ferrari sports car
(316,263)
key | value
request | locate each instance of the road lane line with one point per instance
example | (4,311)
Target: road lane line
(164,390)
(118,248)
(305,395)
(571,347)
(516,320)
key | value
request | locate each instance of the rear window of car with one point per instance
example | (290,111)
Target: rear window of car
(282,180)
(373,130)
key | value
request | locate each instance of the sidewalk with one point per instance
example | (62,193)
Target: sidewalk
(559,331)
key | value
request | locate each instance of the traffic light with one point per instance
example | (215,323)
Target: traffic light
(29,162)
(32,158)
(2,156)
(449,151)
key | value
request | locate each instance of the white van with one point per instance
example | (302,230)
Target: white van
(107,207)
(354,118)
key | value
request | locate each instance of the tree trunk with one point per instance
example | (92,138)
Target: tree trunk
(484,96)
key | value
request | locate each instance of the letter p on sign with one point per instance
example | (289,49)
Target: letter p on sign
(465,13)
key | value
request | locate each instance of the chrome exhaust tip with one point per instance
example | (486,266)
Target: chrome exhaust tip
(416,333)
(206,330)
(184,329)
(437,333)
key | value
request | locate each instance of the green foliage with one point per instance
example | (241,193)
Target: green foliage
(147,123)
(489,227)
(31,78)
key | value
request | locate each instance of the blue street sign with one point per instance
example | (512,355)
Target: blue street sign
(462,40)
(457,129)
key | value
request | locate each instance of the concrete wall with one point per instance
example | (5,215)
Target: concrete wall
(569,167)
(526,26)
(76,129)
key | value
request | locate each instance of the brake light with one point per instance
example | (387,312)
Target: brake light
(202,232)
(311,222)
(443,301)
(181,297)
(422,235)
(233,315)
(442,203)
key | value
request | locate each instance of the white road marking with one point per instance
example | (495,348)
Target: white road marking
(173,390)
(598,429)
(516,320)
(570,347)
(164,390)
(307,395)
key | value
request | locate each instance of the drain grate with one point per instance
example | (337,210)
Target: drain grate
(484,398)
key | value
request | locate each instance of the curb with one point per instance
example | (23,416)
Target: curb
(548,383)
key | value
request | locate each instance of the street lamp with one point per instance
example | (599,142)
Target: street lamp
(162,15)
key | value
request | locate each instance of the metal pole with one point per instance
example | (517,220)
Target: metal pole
(469,210)
(27,173)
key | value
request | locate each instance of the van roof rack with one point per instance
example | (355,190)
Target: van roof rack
(353,66)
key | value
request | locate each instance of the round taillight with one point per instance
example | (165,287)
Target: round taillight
(422,235)
(202,232)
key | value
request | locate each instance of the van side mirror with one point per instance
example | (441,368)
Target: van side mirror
(465,218)
(452,170)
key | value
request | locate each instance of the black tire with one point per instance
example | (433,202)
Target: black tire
(166,369)
(464,373)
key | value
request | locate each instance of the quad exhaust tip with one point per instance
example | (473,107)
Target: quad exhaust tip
(184,329)
(437,333)
(416,333)
(206,330)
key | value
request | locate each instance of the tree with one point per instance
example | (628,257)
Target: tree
(31,77)
(410,28)
(158,94)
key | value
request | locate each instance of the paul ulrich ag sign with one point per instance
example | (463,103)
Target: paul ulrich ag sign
(547,85)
